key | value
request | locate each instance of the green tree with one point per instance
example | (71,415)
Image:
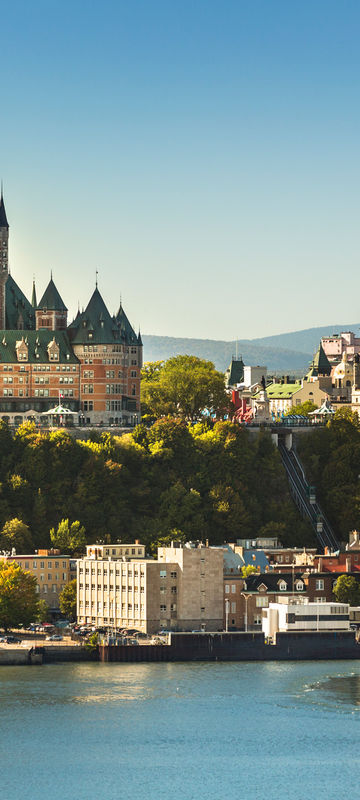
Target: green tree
(183,386)
(67,600)
(44,613)
(69,538)
(18,598)
(15,534)
(347,590)
(248,570)
(303,410)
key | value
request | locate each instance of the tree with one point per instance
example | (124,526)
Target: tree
(303,410)
(44,613)
(15,534)
(347,590)
(183,386)
(248,570)
(67,600)
(69,538)
(18,598)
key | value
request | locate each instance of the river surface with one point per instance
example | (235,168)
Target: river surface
(265,731)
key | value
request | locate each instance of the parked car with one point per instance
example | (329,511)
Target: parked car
(55,637)
(11,640)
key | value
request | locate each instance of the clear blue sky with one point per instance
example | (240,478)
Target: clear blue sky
(204,156)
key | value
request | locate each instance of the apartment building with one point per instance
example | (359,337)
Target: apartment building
(181,590)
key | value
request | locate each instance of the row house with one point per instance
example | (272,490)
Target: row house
(244,599)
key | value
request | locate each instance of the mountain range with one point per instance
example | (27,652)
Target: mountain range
(287,352)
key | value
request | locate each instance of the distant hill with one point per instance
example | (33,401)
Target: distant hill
(304,341)
(285,352)
(158,348)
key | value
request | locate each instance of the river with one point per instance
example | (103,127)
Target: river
(264,731)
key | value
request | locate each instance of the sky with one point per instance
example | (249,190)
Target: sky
(202,156)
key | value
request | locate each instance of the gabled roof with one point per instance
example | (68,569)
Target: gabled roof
(3,220)
(19,313)
(37,343)
(51,299)
(320,364)
(127,333)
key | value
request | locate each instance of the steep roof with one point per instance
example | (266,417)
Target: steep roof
(95,324)
(3,220)
(51,299)
(320,364)
(127,333)
(33,296)
(37,342)
(235,372)
(19,313)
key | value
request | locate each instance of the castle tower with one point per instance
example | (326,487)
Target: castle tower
(4,259)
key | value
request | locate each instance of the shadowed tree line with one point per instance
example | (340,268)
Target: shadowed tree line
(170,481)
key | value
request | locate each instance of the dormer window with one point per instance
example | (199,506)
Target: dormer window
(282,586)
(299,586)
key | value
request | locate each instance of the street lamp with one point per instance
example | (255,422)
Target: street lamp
(246,596)
(227,610)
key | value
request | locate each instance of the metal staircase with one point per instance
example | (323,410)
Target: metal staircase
(305,498)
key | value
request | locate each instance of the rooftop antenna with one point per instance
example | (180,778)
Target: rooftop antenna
(96,278)
(236,350)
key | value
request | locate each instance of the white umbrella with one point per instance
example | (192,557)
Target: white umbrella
(58,411)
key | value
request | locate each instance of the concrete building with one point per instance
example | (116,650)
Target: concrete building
(52,570)
(181,590)
(338,344)
(304,616)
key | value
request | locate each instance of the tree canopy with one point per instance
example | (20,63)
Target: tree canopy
(67,600)
(18,598)
(69,537)
(183,386)
(347,590)
(303,410)
(174,480)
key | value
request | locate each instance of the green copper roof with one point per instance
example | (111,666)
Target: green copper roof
(127,333)
(51,299)
(320,364)
(94,325)
(235,372)
(33,296)
(280,390)
(37,342)
(19,312)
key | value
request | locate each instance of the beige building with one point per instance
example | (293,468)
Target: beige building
(51,570)
(181,590)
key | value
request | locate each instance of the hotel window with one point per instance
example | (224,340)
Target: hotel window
(42,564)
(45,588)
(282,586)
(319,586)
(162,608)
(54,588)
(227,588)
(233,588)
(299,586)
(163,573)
(233,607)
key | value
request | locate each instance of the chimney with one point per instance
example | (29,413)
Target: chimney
(348,563)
